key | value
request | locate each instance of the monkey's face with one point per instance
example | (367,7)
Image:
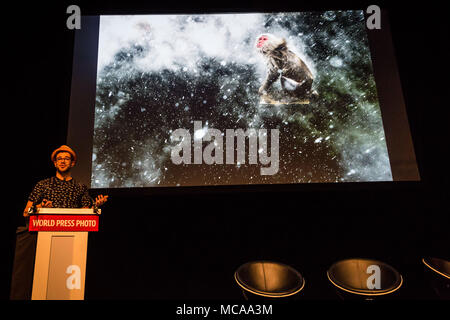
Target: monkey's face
(261,40)
(266,43)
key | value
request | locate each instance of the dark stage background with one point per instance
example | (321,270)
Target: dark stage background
(187,245)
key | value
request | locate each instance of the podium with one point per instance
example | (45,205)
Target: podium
(61,250)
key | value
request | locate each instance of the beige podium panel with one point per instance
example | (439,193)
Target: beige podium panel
(60,263)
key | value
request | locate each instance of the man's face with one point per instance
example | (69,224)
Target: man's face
(63,162)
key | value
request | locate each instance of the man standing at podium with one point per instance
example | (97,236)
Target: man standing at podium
(59,191)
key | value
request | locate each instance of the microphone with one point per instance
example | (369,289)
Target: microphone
(32,209)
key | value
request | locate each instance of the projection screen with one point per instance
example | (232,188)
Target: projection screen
(237,99)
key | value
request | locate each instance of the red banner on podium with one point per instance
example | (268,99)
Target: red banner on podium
(69,222)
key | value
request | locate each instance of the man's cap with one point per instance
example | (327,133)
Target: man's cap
(64,148)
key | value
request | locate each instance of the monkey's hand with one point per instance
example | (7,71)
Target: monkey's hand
(262,91)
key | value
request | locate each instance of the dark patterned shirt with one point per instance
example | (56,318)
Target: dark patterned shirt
(62,194)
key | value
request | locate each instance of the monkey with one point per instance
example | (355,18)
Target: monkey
(295,77)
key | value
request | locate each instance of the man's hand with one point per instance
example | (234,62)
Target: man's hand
(45,204)
(100,200)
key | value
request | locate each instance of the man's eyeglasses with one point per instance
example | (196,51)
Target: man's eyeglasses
(63,159)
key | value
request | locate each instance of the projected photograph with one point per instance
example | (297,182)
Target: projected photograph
(233,99)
